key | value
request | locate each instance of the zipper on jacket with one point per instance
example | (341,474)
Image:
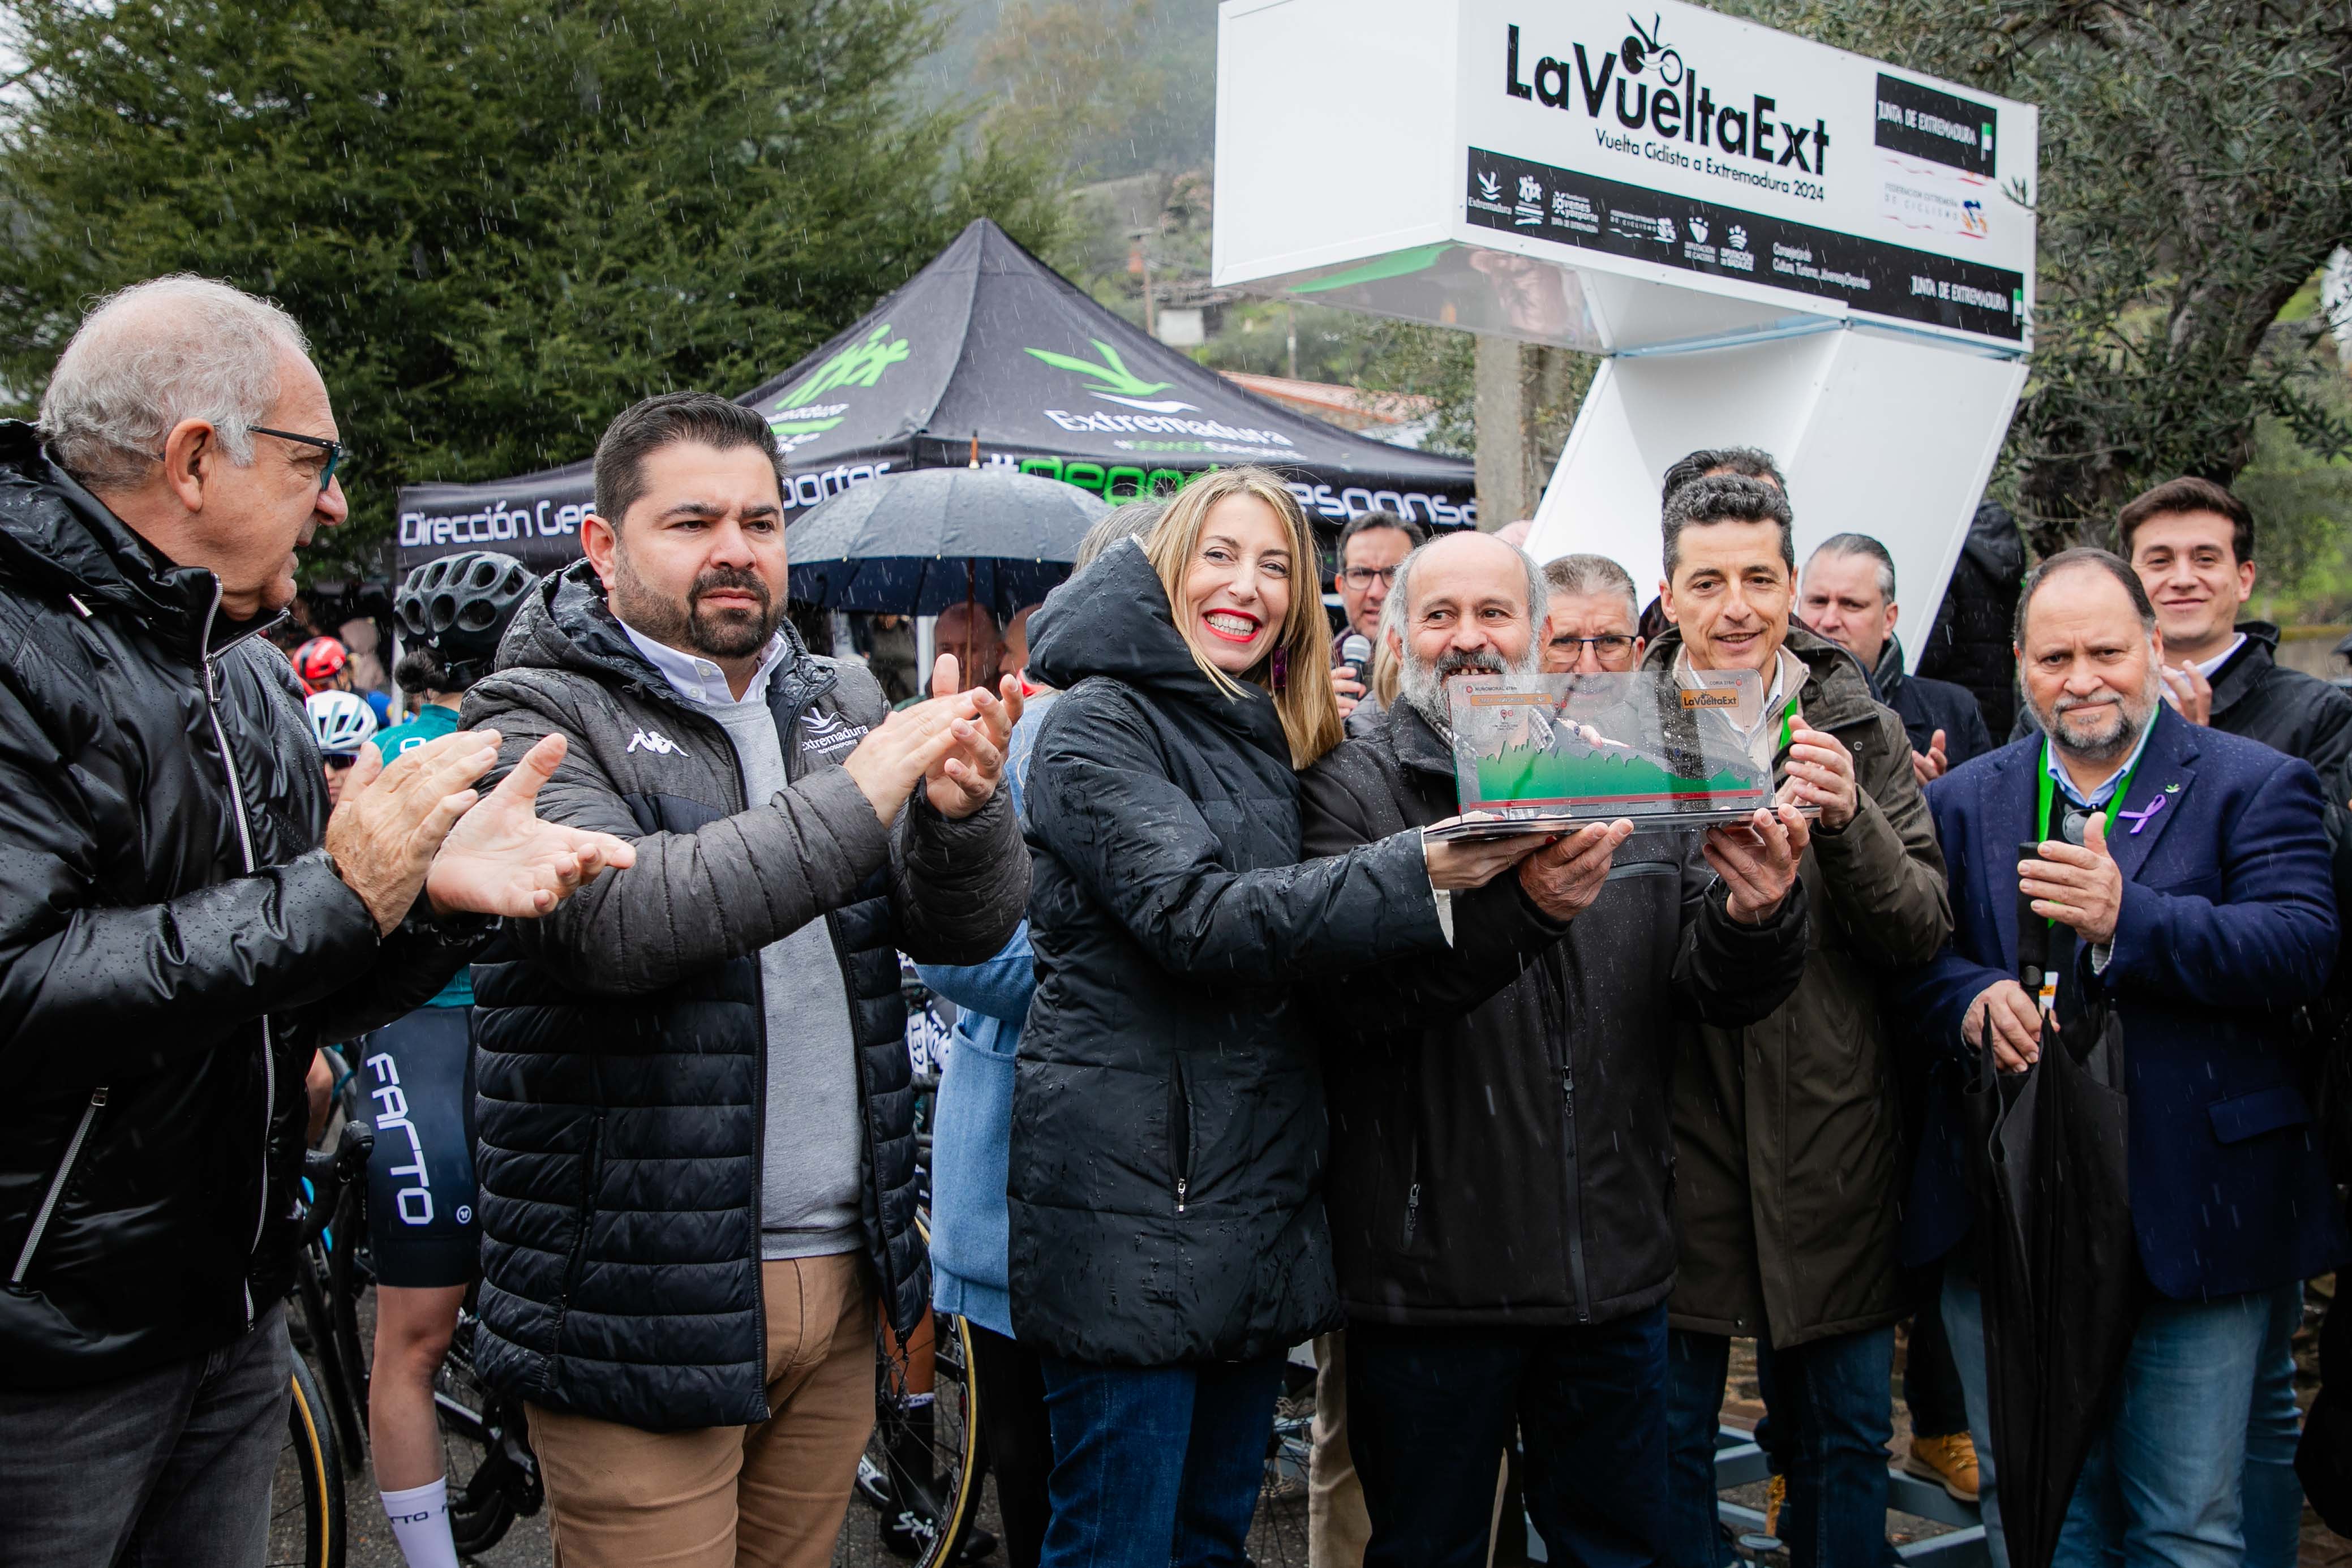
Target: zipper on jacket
(1572,1218)
(245,843)
(1412,1191)
(57,1188)
(1180,1130)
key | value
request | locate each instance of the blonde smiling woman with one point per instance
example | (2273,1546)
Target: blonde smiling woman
(1167,1233)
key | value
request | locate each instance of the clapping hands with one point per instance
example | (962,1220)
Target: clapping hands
(952,745)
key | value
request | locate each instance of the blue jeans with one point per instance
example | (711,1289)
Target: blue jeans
(1829,1415)
(2273,1492)
(1964,1325)
(168,1469)
(1430,1411)
(2163,1482)
(1156,1467)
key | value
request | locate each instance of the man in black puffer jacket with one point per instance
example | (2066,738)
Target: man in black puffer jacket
(1501,1146)
(174,941)
(696,1131)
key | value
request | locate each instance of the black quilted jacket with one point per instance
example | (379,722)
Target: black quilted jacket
(173,946)
(623,1041)
(1168,1125)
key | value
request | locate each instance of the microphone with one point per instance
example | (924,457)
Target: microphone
(1355,649)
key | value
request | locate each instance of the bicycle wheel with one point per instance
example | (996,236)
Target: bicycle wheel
(922,1466)
(1277,1537)
(480,1438)
(306,1495)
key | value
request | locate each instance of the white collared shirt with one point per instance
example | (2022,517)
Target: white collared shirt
(700,681)
(2212,666)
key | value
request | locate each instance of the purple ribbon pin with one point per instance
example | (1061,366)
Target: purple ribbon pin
(2139,819)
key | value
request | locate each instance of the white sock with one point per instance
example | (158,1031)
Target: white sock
(420,1524)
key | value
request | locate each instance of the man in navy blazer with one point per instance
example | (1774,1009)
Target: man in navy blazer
(2188,871)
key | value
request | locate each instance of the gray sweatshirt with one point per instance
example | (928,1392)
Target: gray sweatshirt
(811,1138)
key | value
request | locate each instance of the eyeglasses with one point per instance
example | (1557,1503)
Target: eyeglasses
(338,761)
(1607,647)
(1361,576)
(335,450)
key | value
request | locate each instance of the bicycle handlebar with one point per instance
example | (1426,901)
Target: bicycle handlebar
(329,1171)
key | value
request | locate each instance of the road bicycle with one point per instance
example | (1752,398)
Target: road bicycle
(307,1521)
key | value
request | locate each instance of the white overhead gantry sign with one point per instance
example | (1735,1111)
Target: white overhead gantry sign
(1775,243)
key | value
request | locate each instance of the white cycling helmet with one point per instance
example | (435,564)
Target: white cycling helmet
(343,721)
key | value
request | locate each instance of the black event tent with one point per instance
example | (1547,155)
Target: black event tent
(987,345)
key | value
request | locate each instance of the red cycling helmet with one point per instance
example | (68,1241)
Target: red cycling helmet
(317,662)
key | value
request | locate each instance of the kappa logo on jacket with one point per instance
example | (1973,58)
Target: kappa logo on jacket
(654,741)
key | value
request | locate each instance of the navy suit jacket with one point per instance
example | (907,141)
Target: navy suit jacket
(2228,924)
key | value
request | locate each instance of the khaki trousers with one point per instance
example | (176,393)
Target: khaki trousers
(1337,1528)
(770,1495)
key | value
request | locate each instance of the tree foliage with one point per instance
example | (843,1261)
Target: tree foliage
(500,221)
(2196,170)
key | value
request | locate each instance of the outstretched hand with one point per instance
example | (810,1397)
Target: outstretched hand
(1458,863)
(1564,879)
(1758,861)
(501,859)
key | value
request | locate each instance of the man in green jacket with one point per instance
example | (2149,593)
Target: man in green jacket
(1787,1132)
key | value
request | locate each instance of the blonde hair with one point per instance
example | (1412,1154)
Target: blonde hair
(1306,703)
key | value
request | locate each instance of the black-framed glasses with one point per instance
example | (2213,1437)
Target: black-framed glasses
(340,762)
(335,450)
(1608,647)
(1361,576)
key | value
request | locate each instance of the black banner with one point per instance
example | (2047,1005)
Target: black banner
(1934,125)
(1594,214)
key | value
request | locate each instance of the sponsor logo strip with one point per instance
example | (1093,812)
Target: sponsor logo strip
(1592,213)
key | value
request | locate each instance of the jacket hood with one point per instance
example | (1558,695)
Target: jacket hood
(59,539)
(1112,619)
(1994,543)
(566,623)
(1837,689)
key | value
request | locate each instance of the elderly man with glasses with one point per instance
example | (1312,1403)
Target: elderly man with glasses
(182,921)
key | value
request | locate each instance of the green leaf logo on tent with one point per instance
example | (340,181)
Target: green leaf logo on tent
(860,364)
(1111,378)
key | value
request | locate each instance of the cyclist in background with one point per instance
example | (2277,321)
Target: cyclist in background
(324,664)
(341,723)
(418,1073)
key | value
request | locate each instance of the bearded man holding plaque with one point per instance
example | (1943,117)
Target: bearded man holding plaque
(1786,1129)
(1500,1170)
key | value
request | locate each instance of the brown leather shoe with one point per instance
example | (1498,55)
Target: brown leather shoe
(1951,1462)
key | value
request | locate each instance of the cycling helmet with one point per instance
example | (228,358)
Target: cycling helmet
(318,661)
(343,721)
(459,607)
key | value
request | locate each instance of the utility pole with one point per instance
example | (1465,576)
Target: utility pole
(1498,414)
(1139,265)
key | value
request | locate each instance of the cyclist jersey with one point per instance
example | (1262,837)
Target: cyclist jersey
(431,722)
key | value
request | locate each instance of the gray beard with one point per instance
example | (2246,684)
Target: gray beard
(1423,686)
(2132,719)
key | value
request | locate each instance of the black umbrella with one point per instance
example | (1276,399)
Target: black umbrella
(914,543)
(2057,1258)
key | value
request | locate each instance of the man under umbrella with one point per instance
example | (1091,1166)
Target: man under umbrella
(2184,874)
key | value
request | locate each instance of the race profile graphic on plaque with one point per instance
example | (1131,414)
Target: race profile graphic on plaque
(1666,750)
